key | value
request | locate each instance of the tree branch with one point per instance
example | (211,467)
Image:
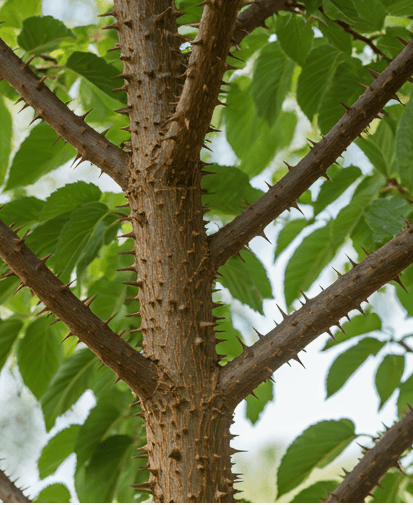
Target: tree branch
(207,65)
(90,144)
(9,492)
(376,461)
(131,367)
(232,237)
(255,16)
(256,364)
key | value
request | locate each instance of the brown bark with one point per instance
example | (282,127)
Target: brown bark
(357,484)
(9,492)
(186,397)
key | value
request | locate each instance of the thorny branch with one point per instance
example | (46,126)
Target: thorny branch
(130,366)
(256,364)
(376,461)
(9,492)
(255,15)
(230,239)
(356,36)
(90,144)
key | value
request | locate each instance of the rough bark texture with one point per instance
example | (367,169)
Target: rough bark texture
(187,399)
(9,492)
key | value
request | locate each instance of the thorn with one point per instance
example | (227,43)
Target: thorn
(331,335)
(109,319)
(83,116)
(262,234)
(406,222)
(361,310)
(351,261)
(373,73)
(363,447)
(288,165)
(326,176)
(305,296)
(341,328)
(365,252)
(124,110)
(110,13)
(113,26)
(90,300)
(258,333)
(38,116)
(399,282)
(299,361)
(243,344)
(70,334)
(56,139)
(338,273)
(295,205)
(313,144)
(348,109)
(21,286)
(282,312)
(255,396)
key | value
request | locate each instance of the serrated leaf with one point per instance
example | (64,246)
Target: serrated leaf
(316,445)
(271,81)
(57,450)
(68,384)
(329,192)
(9,330)
(385,217)
(6,136)
(42,34)
(388,376)
(39,349)
(305,265)
(94,429)
(110,299)
(75,236)
(68,198)
(336,35)
(404,146)
(92,248)
(372,14)
(37,157)
(255,406)
(316,493)
(317,77)
(312,5)
(405,396)
(359,325)
(96,70)
(231,347)
(97,481)
(349,361)
(230,190)
(44,238)
(295,36)
(55,493)
(14,13)
(22,211)
(288,234)
(246,280)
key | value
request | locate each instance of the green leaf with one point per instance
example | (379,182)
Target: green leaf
(246,280)
(317,77)
(14,13)
(390,489)
(271,81)
(405,396)
(68,198)
(305,265)
(39,349)
(97,481)
(312,5)
(336,35)
(6,136)
(404,146)
(110,299)
(69,383)
(230,347)
(295,36)
(43,239)
(316,493)
(92,248)
(43,34)
(347,363)
(230,191)
(372,14)
(385,217)
(288,234)
(96,426)
(318,444)
(329,192)
(255,406)
(359,325)
(388,376)
(96,70)
(22,211)
(76,235)
(398,7)
(57,450)
(37,157)
(9,329)
(55,493)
